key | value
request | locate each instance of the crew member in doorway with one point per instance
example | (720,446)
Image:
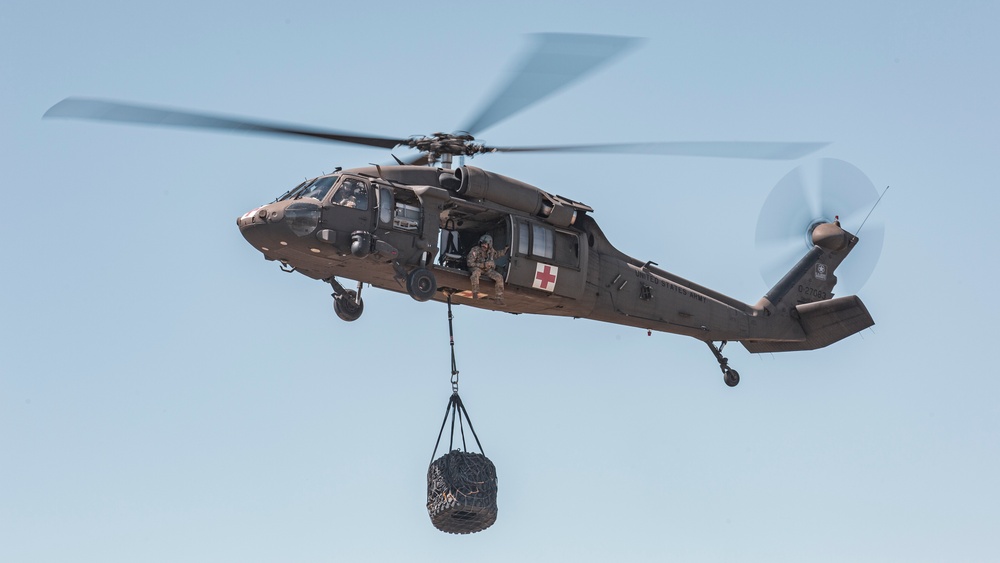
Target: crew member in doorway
(482,261)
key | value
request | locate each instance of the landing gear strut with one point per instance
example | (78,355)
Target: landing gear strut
(347,303)
(729,375)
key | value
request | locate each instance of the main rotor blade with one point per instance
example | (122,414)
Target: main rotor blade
(104,110)
(718,149)
(555,61)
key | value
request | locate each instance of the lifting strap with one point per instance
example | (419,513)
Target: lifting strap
(455,409)
(451,337)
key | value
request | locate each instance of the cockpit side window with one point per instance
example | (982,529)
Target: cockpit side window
(352,193)
(386,206)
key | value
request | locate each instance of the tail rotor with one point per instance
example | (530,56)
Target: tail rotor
(809,196)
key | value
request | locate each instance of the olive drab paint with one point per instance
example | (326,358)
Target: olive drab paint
(408,227)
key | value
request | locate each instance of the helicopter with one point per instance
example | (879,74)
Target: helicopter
(409,226)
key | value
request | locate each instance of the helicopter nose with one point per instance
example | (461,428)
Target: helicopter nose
(255,226)
(277,225)
(298,219)
(252,217)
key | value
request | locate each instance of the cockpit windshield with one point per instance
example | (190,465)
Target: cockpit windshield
(316,189)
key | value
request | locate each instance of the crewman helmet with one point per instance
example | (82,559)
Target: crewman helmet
(486,239)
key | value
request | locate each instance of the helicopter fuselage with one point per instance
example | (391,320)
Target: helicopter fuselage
(383,225)
(409,228)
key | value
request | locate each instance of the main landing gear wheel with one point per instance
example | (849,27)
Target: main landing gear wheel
(348,305)
(420,284)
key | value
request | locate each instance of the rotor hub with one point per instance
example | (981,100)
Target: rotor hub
(812,227)
(455,144)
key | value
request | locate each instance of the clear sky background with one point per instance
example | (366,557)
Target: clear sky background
(167,395)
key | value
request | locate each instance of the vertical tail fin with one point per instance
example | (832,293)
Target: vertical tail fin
(812,278)
(799,312)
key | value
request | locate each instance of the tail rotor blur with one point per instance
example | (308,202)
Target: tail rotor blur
(808,196)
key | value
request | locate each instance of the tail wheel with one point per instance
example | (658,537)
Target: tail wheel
(420,284)
(731,377)
(348,305)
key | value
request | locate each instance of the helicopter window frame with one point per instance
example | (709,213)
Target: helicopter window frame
(288,194)
(542,241)
(317,189)
(360,201)
(548,244)
(407,212)
(567,248)
(523,238)
(386,206)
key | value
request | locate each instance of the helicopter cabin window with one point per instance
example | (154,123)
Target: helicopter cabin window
(543,242)
(407,217)
(567,249)
(352,193)
(385,206)
(523,239)
(406,214)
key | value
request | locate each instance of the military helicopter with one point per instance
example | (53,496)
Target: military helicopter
(407,227)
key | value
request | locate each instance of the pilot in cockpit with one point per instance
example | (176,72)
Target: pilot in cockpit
(352,193)
(361,195)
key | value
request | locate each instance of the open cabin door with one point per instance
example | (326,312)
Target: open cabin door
(547,259)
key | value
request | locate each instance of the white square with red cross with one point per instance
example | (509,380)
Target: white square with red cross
(545,277)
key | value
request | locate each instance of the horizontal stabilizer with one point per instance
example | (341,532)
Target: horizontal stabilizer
(824,322)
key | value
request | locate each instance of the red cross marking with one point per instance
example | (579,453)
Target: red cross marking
(545,277)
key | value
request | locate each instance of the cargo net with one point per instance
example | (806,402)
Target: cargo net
(461,485)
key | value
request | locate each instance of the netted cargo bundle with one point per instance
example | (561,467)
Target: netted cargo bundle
(462,492)
(461,485)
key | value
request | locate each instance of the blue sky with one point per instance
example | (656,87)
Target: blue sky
(167,395)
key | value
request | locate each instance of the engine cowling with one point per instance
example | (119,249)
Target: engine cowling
(477,183)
